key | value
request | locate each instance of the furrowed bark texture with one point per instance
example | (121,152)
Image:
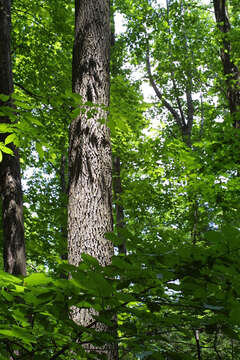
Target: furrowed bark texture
(10,178)
(231,71)
(90,161)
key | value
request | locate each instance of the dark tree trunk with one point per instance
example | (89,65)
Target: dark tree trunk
(90,161)
(230,70)
(10,178)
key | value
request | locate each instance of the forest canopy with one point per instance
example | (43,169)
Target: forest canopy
(120,233)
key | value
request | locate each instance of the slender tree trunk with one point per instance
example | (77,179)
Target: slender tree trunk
(63,196)
(117,185)
(117,182)
(10,178)
(230,70)
(197,339)
(90,160)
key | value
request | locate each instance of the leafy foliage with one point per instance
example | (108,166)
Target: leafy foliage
(180,278)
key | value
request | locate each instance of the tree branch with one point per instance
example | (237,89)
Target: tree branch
(159,94)
(215,346)
(68,346)
(28,92)
(178,100)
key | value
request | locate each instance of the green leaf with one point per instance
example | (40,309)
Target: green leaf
(20,317)
(18,333)
(37,279)
(23,105)
(120,262)
(77,98)
(75,113)
(5,149)
(4,97)
(5,128)
(94,282)
(90,260)
(7,295)
(5,278)
(10,138)
(40,150)
(33,120)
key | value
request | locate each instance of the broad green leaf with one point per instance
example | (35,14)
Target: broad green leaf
(4,97)
(37,279)
(90,260)
(93,282)
(7,295)
(5,149)
(5,128)
(8,278)
(10,138)
(23,105)
(18,333)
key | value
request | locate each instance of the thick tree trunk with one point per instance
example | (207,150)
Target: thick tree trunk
(230,70)
(10,178)
(90,161)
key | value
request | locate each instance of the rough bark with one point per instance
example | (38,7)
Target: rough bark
(90,161)
(230,70)
(10,177)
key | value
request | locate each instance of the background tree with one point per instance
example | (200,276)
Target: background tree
(10,177)
(228,57)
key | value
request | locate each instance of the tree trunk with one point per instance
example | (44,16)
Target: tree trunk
(230,70)
(90,161)
(10,178)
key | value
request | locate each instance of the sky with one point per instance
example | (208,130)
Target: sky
(119,20)
(147,90)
